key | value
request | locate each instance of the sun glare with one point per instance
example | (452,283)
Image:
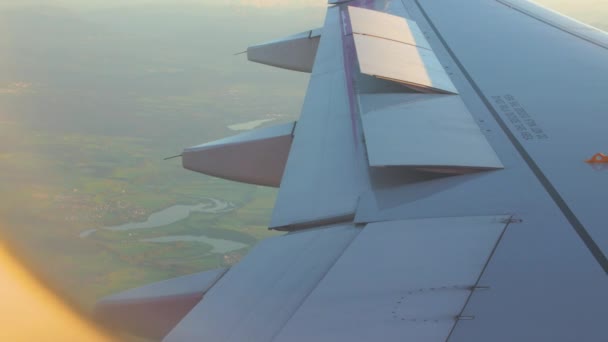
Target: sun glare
(30,312)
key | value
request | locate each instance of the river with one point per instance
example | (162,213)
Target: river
(177,213)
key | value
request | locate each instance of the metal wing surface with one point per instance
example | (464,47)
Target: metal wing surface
(441,183)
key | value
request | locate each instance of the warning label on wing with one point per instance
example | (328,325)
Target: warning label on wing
(519,118)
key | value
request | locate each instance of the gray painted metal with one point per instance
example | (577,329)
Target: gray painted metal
(434,133)
(560,21)
(387,26)
(326,168)
(189,284)
(380,101)
(296,52)
(153,310)
(398,281)
(255,157)
(548,277)
(554,127)
(542,286)
(257,296)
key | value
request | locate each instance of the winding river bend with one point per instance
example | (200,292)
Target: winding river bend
(177,213)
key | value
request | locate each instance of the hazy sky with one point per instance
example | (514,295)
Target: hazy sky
(590,11)
(257,3)
(91,4)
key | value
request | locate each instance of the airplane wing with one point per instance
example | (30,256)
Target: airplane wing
(445,181)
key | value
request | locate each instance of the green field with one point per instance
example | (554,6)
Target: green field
(90,104)
(74,183)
